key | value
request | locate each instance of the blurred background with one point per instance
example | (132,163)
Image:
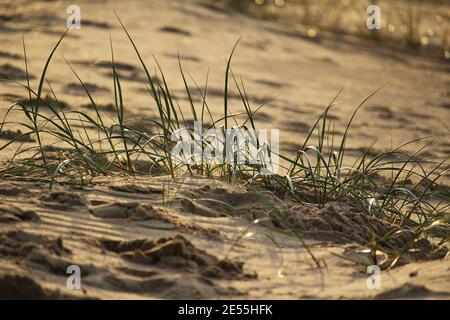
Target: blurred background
(415,24)
(293,58)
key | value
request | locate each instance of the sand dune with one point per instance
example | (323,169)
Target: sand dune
(196,237)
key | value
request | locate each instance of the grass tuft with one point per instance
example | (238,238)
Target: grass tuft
(392,186)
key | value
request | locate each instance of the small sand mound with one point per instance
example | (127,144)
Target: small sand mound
(336,223)
(339,224)
(344,224)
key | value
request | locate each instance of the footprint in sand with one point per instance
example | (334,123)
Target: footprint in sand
(297,126)
(20,244)
(174,268)
(44,253)
(219,202)
(183,57)
(9,189)
(44,102)
(5,54)
(272,84)
(16,286)
(62,200)
(152,284)
(411,291)
(119,66)
(107,107)
(124,210)
(383,112)
(135,188)
(10,72)
(176,253)
(10,213)
(175,30)
(125,71)
(141,212)
(96,24)
(91,87)
(47,254)
(17,135)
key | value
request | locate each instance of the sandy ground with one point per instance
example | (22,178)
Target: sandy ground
(129,243)
(132,237)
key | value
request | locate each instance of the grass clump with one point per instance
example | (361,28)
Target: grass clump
(413,24)
(392,186)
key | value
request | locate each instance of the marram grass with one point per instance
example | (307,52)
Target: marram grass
(317,174)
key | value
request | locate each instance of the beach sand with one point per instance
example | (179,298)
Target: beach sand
(163,238)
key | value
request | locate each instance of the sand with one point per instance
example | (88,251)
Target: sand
(159,238)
